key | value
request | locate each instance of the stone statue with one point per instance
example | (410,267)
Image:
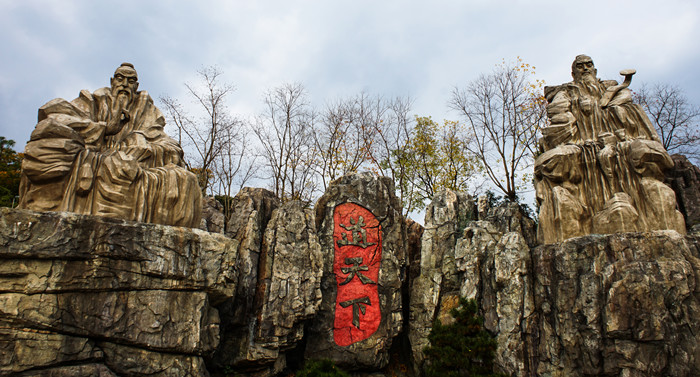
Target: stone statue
(105,153)
(601,170)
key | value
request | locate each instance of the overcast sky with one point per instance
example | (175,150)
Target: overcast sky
(335,48)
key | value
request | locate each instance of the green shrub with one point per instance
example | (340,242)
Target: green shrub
(321,368)
(463,348)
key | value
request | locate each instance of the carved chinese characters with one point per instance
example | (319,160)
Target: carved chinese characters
(362,237)
(603,164)
(358,254)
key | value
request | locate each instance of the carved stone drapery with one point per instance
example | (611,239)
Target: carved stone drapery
(603,164)
(105,153)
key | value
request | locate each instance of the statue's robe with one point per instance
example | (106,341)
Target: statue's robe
(602,166)
(138,174)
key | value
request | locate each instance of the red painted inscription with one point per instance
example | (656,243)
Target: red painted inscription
(357,238)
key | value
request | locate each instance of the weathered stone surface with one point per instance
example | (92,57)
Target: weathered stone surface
(495,270)
(374,197)
(130,361)
(251,212)
(603,162)
(109,297)
(510,217)
(160,320)
(487,260)
(23,349)
(213,219)
(289,285)
(414,234)
(105,153)
(685,181)
(616,305)
(50,252)
(445,218)
(84,370)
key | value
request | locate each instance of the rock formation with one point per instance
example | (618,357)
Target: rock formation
(362,236)
(685,181)
(84,295)
(616,305)
(603,164)
(478,254)
(445,218)
(351,280)
(105,153)
(605,305)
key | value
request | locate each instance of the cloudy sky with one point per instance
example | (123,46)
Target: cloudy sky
(335,48)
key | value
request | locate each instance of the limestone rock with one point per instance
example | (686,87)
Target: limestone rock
(362,236)
(131,361)
(289,288)
(49,252)
(23,348)
(251,211)
(83,370)
(619,305)
(495,270)
(509,217)
(685,181)
(446,216)
(213,219)
(414,234)
(85,295)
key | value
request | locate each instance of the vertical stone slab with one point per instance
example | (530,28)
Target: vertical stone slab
(362,237)
(357,238)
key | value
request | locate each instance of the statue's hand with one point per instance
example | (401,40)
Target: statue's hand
(117,122)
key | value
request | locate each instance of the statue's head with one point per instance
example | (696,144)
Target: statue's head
(125,83)
(582,69)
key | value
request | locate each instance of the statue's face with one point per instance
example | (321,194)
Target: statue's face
(583,69)
(124,83)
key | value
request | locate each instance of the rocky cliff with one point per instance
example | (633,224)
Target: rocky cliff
(348,280)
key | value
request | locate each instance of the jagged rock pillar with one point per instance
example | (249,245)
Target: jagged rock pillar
(280,286)
(445,218)
(362,236)
(492,258)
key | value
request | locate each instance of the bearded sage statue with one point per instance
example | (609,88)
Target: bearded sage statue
(603,164)
(105,153)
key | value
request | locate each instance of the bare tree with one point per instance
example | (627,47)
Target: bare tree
(387,128)
(675,119)
(234,166)
(339,141)
(285,134)
(214,135)
(504,112)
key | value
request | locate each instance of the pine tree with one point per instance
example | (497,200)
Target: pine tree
(321,368)
(463,348)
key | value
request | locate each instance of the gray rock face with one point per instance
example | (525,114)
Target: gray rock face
(251,211)
(445,219)
(288,290)
(97,292)
(371,212)
(495,268)
(213,219)
(616,305)
(685,181)
(88,296)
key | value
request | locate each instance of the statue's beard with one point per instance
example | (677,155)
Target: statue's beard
(121,99)
(589,83)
